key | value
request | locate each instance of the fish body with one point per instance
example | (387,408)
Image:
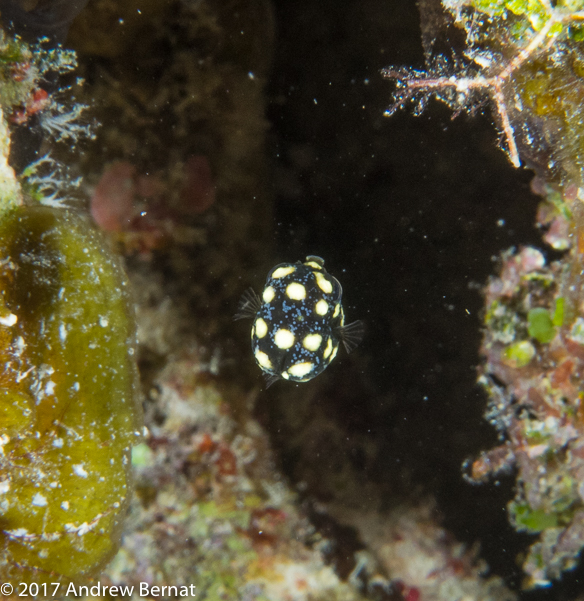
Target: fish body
(298,321)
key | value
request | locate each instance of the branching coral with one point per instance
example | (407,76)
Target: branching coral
(523,56)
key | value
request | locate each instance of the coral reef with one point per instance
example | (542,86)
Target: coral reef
(533,349)
(69,398)
(523,56)
(520,55)
(423,559)
(210,509)
(178,90)
(176,178)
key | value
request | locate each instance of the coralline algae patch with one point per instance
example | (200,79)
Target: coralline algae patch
(68,412)
(534,348)
(425,562)
(211,510)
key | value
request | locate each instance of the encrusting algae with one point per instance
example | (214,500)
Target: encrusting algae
(67,389)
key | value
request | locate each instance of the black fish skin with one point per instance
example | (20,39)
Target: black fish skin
(299,321)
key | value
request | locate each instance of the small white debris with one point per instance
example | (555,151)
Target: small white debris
(19,533)
(65,505)
(103,322)
(39,500)
(8,320)
(80,471)
(20,375)
(84,529)
(4,439)
(58,443)
(4,486)
(19,345)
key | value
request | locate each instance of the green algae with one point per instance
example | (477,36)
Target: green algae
(540,325)
(559,312)
(519,354)
(529,520)
(68,406)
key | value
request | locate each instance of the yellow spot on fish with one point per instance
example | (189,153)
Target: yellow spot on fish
(324,284)
(261,327)
(283,339)
(283,271)
(337,310)
(268,294)
(313,264)
(285,375)
(311,342)
(335,351)
(328,349)
(301,369)
(263,359)
(296,291)
(321,307)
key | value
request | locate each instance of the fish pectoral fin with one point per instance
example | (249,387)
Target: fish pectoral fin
(271,379)
(351,334)
(248,306)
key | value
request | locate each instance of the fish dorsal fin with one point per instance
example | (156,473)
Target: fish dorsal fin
(249,305)
(351,334)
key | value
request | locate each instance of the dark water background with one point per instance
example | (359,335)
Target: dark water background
(410,214)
